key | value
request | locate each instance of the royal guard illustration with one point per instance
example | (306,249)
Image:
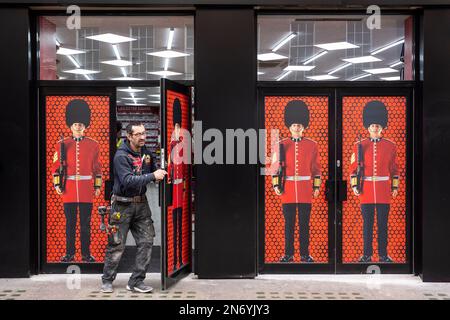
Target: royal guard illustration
(375,178)
(176,171)
(297,178)
(77,177)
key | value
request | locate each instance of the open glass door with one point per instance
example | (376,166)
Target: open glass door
(175,189)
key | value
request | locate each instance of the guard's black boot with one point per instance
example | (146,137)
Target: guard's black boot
(287,258)
(68,258)
(307,259)
(365,259)
(386,259)
(88,258)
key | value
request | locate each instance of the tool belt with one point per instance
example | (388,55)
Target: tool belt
(79,177)
(298,178)
(376,178)
(135,199)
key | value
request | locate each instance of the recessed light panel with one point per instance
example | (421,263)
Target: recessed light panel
(380,70)
(118,63)
(111,38)
(168,54)
(363,59)
(299,68)
(270,56)
(322,77)
(336,46)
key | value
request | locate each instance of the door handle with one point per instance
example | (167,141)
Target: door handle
(329,190)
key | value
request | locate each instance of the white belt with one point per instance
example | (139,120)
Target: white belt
(78,177)
(298,178)
(375,178)
(177,181)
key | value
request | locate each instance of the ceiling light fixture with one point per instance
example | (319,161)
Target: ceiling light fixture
(67,51)
(118,63)
(299,68)
(116,51)
(380,70)
(168,54)
(165,73)
(284,75)
(283,41)
(339,68)
(336,46)
(361,76)
(130,90)
(316,56)
(81,71)
(393,44)
(111,38)
(87,77)
(75,62)
(155,95)
(396,64)
(133,98)
(322,77)
(170,40)
(166,65)
(363,59)
(391,78)
(270,56)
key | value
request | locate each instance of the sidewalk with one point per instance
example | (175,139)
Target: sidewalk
(289,287)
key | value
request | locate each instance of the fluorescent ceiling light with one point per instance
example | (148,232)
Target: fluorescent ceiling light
(135,104)
(380,70)
(168,54)
(284,41)
(322,77)
(393,44)
(67,51)
(395,64)
(270,56)
(118,63)
(133,98)
(82,71)
(340,68)
(316,56)
(75,62)
(260,73)
(155,95)
(391,78)
(165,73)
(125,78)
(166,65)
(299,68)
(363,59)
(170,40)
(155,101)
(122,69)
(284,75)
(116,51)
(336,46)
(360,77)
(87,77)
(130,90)
(111,38)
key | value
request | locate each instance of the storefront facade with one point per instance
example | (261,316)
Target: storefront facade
(228,82)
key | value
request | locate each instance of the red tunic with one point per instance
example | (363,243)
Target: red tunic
(83,166)
(176,169)
(379,168)
(301,165)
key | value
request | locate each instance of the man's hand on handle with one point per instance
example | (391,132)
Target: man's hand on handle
(355,191)
(316,193)
(58,190)
(394,193)
(277,191)
(159,174)
(97,192)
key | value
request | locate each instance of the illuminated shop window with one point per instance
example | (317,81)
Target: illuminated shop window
(339,48)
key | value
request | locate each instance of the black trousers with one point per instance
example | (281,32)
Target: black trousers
(304,214)
(177,224)
(70,211)
(368,213)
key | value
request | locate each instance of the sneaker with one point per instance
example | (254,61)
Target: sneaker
(287,258)
(386,259)
(307,259)
(107,287)
(140,287)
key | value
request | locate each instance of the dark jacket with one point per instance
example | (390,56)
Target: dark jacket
(131,174)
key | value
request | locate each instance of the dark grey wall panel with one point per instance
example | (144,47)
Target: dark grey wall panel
(15,154)
(436,146)
(225,88)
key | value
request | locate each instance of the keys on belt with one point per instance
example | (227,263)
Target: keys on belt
(298,178)
(79,177)
(135,199)
(376,178)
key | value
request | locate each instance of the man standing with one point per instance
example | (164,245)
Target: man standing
(176,175)
(298,178)
(374,178)
(82,178)
(130,209)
